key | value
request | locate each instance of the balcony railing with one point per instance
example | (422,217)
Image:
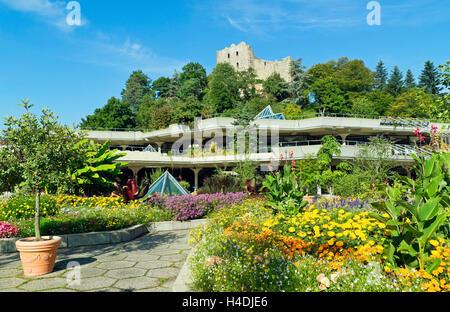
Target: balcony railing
(397,149)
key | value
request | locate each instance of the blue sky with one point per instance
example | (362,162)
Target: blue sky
(75,69)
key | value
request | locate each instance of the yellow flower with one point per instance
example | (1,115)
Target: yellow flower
(331,234)
(292,229)
(435,243)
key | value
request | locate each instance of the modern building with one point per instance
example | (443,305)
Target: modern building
(194,153)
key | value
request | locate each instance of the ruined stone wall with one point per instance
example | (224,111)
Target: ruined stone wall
(241,57)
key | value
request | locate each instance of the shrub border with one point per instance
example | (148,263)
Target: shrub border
(111,237)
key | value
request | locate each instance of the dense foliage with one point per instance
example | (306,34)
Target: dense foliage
(340,86)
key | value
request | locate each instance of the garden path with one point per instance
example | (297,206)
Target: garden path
(150,263)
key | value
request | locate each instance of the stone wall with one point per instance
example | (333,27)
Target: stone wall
(241,57)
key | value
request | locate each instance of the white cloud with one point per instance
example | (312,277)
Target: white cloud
(124,55)
(235,24)
(263,17)
(102,49)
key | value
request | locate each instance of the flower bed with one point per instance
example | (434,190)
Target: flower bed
(316,250)
(72,215)
(7,230)
(189,207)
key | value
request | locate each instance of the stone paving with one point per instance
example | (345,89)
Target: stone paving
(148,264)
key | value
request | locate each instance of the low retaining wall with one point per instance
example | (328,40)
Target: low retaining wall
(112,237)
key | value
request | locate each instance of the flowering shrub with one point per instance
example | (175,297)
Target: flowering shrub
(317,250)
(73,214)
(347,203)
(188,207)
(7,230)
(91,202)
(23,207)
(94,220)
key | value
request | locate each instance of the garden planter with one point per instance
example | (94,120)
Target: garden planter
(38,258)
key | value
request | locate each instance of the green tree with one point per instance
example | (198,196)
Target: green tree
(292,112)
(137,86)
(223,88)
(247,82)
(276,86)
(194,70)
(143,117)
(98,171)
(429,79)
(442,109)
(114,115)
(376,160)
(329,98)
(191,87)
(381,76)
(299,84)
(354,77)
(395,84)
(325,156)
(381,100)
(410,82)
(415,103)
(43,151)
(161,117)
(257,104)
(364,106)
(185,111)
(161,87)
(309,172)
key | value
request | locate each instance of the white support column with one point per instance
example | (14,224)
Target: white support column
(344,138)
(135,171)
(196,172)
(159,146)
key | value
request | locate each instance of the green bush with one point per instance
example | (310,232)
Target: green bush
(97,220)
(23,207)
(221,183)
(285,192)
(227,215)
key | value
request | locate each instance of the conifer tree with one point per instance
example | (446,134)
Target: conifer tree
(429,79)
(410,82)
(395,83)
(381,75)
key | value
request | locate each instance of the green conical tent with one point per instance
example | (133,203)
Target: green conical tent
(166,185)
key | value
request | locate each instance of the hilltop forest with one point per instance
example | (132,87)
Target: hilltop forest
(340,86)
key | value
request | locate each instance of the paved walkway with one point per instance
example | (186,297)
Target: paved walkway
(150,263)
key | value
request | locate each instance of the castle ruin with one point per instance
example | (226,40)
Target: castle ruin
(241,57)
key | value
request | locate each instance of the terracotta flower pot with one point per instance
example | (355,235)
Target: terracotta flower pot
(38,258)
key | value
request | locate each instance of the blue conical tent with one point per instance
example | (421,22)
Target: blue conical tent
(267,113)
(150,149)
(166,185)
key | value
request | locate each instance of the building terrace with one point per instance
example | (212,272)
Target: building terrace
(210,142)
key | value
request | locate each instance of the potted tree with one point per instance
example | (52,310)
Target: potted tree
(43,150)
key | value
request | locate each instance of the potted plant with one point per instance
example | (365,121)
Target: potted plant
(43,151)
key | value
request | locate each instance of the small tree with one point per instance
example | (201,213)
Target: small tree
(330,148)
(43,149)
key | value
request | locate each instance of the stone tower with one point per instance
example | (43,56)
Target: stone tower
(241,57)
